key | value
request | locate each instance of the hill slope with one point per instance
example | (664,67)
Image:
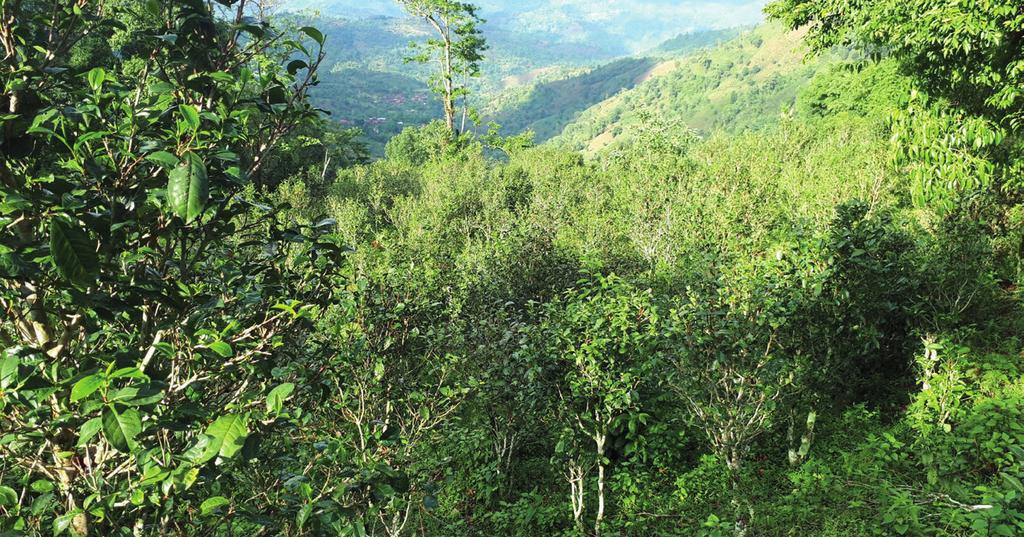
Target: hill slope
(740,85)
(550,100)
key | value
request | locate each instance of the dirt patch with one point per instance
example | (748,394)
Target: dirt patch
(602,141)
(660,69)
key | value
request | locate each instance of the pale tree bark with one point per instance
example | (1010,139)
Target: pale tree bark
(600,440)
(443,30)
(576,474)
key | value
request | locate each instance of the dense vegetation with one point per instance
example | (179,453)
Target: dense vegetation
(795,312)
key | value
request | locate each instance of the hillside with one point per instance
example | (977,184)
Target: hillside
(742,84)
(550,100)
(368,84)
(532,79)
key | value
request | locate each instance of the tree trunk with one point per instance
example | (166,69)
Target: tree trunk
(449,85)
(600,439)
(734,464)
(577,480)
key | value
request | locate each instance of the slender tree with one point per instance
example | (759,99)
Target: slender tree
(457,48)
(600,343)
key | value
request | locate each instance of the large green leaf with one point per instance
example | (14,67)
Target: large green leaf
(163,158)
(73,252)
(227,436)
(190,115)
(222,348)
(315,34)
(97,76)
(188,188)
(120,427)
(8,370)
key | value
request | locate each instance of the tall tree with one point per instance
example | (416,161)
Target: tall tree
(457,48)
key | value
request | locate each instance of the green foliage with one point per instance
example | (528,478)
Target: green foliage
(773,324)
(965,114)
(859,88)
(979,44)
(546,107)
(556,99)
(142,278)
(690,42)
(369,86)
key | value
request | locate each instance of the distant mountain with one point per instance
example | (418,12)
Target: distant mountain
(633,25)
(548,61)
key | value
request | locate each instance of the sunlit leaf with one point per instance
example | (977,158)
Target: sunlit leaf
(211,505)
(85,387)
(188,188)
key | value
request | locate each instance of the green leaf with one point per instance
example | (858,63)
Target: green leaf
(277,397)
(222,348)
(212,504)
(85,387)
(163,158)
(190,115)
(227,436)
(96,78)
(314,34)
(188,188)
(430,502)
(88,431)
(127,372)
(8,371)
(63,522)
(303,515)
(73,252)
(121,428)
(41,486)
(196,454)
(295,65)
(1014,482)
(8,496)
(138,395)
